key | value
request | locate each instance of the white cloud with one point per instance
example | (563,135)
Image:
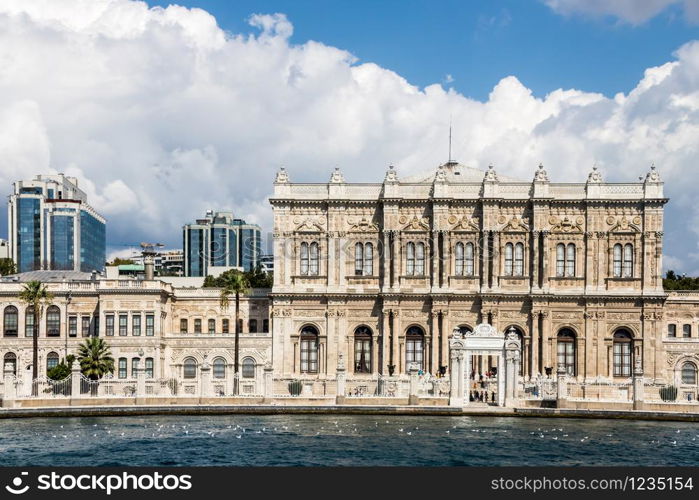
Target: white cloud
(162,115)
(629,11)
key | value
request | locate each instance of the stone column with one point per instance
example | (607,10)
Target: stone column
(456,381)
(413,398)
(395,251)
(545,261)
(75,375)
(501,380)
(205,380)
(512,348)
(8,398)
(385,258)
(27,381)
(269,383)
(140,381)
(485,283)
(535,260)
(638,385)
(562,386)
(466,378)
(435,259)
(341,377)
(534,345)
(496,260)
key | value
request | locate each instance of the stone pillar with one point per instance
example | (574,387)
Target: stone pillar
(8,398)
(562,386)
(535,260)
(501,380)
(512,350)
(386,260)
(269,382)
(456,381)
(27,382)
(435,259)
(394,259)
(413,397)
(638,385)
(140,381)
(496,260)
(341,377)
(75,375)
(205,380)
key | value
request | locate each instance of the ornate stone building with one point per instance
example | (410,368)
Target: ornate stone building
(376,276)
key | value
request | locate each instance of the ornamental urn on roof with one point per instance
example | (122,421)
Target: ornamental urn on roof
(541,175)
(282,176)
(337,177)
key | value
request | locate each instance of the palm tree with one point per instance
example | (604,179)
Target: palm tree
(95,358)
(235,283)
(36,296)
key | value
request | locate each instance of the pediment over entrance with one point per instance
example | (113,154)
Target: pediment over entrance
(483,338)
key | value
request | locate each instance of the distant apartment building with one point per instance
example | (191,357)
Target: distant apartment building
(220,241)
(52,227)
(165,262)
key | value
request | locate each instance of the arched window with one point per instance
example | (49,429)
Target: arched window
(197,325)
(10,321)
(29,319)
(410,259)
(509,256)
(314,265)
(570,260)
(566,350)
(184,327)
(560,260)
(623,353)
(219,368)
(51,361)
(135,365)
(459,259)
(10,362)
(469,259)
(358,259)
(368,259)
(627,270)
(686,331)
(252,326)
(362,350)
(212,325)
(53,322)
(225,325)
(464,329)
(689,373)
(248,367)
(671,330)
(414,347)
(617,260)
(190,368)
(519,259)
(304,258)
(420,259)
(149,367)
(309,350)
(121,373)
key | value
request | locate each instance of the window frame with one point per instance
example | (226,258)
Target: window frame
(53,321)
(308,346)
(136,325)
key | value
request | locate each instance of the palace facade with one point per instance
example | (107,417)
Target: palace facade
(377,276)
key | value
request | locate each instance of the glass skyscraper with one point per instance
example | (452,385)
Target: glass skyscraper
(52,227)
(220,240)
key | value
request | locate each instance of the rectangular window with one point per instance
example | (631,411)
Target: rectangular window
(149,367)
(122,368)
(29,323)
(136,325)
(197,325)
(72,326)
(252,326)
(622,359)
(212,325)
(265,325)
(134,367)
(150,325)
(123,324)
(672,330)
(109,325)
(225,326)
(85,326)
(184,327)
(686,331)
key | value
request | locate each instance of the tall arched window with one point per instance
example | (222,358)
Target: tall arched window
(519,259)
(617,260)
(189,368)
(248,367)
(410,259)
(252,326)
(212,325)
(362,350)
(10,362)
(469,259)
(368,259)
(420,259)
(309,349)
(29,319)
(10,321)
(560,260)
(184,326)
(149,367)
(689,373)
(627,270)
(566,350)
(459,259)
(464,329)
(219,368)
(623,354)
(303,268)
(358,259)
(51,361)
(520,334)
(509,259)
(53,322)
(414,347)
(314,264)
(570,260)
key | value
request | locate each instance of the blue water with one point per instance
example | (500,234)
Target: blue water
(284,440)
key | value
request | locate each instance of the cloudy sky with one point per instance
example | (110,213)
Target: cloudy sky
(163,111)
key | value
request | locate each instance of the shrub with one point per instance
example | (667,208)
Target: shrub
(295,387)
(668,393)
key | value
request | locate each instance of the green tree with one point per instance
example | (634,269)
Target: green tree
(258,278)
(674,282)
(35,295)
(234,283)
(118,261)
(95,358)
(62,369)
(7,267)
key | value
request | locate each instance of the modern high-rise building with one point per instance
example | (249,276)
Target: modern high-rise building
(220,240)
(52,227)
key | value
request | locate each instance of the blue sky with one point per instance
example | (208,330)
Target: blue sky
(477,42)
